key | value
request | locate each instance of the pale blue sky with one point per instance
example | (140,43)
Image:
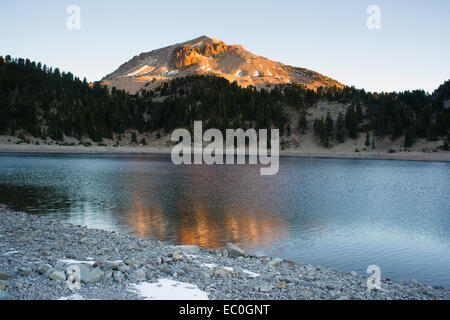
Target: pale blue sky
(411,51)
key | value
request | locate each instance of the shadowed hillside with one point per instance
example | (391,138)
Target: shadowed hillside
(43,102)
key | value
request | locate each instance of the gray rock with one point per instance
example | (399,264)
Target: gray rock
(176,256)
(138,275)
(261,255)
(110,265)
(415,283)
(43,269)
(238,269)
(4,296)
(305,294)
(431,295)
(309,277)
(107,275)
(187,269)
(180,272)
(3,286)
(222,272)
(167,260)
(91,276)
(235,250)
(138,263)
(275,262)
(25,240)
(4,276)
(58,275)
(124,268)
(188,249)
(165,269)
(287,279)
(266,288)
(24,272)
(118,276)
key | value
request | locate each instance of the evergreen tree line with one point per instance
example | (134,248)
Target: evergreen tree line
(412,114)
(48,103)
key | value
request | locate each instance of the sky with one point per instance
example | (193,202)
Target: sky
(411,50)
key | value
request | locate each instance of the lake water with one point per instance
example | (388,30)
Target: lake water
(339,213)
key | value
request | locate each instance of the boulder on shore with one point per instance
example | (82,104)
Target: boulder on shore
(234,250)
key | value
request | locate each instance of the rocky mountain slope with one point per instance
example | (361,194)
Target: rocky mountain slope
(205,55)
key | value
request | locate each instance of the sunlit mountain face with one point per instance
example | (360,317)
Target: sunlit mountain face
(208,56)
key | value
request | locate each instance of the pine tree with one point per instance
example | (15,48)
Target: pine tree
(409,139)
(303,124)
(329,123)
(351,121)
(446,146)
(359,112)
(367,139)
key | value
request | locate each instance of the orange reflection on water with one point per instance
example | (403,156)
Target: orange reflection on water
(197,227)
(145,221)
(215,229)
(208,222)
(254,227)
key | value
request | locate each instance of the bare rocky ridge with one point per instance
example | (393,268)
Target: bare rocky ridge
(205,55)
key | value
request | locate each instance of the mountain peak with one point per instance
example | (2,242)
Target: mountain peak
(206,55)
(205,38)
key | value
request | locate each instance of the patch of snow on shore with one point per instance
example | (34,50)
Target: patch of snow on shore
(90,261)
(70,261)
(251,274)
(213,265)
(11,252)
(167,289)
(72,297)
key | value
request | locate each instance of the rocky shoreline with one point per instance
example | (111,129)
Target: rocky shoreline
(35,255)
(10,148)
